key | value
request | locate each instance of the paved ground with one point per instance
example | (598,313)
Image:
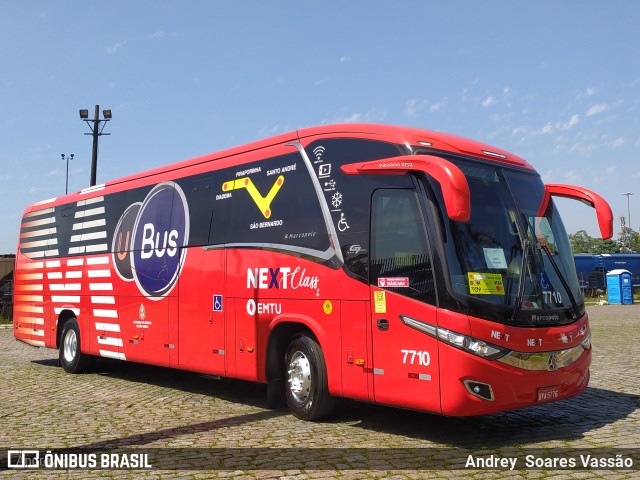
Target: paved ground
(222,428)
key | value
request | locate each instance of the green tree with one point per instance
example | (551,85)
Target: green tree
(629,240)
(582,242)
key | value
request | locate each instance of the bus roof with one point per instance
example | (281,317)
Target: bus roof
(401,135)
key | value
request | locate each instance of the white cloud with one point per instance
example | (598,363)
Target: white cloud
(490,100)
(116,47)
(439,105)
(345,58)
(616,143)
(273,130)
(371,115)
(413,107)
(573,121)
(596,109)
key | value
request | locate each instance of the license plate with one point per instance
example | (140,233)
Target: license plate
(547,394)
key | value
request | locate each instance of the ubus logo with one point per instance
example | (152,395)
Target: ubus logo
(149,239)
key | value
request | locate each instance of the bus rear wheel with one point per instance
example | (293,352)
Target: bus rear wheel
(71,357)
(306,389)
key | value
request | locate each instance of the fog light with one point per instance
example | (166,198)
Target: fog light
(479,389)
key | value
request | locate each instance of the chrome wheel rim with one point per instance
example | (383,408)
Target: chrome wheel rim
(70,346)
(299,377)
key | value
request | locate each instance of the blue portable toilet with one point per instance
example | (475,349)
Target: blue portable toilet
(620,287)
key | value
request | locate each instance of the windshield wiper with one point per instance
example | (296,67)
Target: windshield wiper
(554,264)
(523,271)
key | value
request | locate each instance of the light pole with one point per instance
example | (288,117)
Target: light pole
(628,194)
(97,126)
(66,184)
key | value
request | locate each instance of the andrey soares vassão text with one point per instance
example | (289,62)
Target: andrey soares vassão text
(586,461)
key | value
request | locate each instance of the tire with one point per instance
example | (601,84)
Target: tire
(306,390)
(72,359)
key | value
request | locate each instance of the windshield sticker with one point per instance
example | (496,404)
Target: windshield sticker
(485,283)
(495,258)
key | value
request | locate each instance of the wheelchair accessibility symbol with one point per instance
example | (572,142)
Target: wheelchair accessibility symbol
(217,303)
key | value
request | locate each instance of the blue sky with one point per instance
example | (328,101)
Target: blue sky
(557,82)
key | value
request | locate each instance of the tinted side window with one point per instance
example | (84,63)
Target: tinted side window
(399,248)
(272,204)
(348,197)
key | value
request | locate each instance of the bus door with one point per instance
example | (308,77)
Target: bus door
(203,307)
(405,360)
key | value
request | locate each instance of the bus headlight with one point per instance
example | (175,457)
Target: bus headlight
(463,342)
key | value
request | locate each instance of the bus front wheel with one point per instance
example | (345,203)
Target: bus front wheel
(306,389)
(71,357)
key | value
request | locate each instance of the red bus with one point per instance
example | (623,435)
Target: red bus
(385,264)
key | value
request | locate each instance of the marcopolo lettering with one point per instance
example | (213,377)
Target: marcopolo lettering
(148,240)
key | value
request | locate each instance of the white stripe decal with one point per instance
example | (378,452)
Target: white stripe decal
(33,266)
(74,274)
(72,287)
(90,212)
(53,263)
(39,233)
(48,200)
(30,276)
(101,247)
(95,188)
(65,298)
(98,312)
(54,275)
(59,310)
(100,286)
(98,261)
(108,354)
(75,262)
(108,327)
(37,223)
(35,343)
(28,288)
(104,300)
(36,320)
(39,212)
(114,342)
(90,224)
(28,298)
(99,273)
(88,236)
(89,201)
(40,243)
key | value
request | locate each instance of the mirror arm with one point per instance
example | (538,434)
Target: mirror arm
(455,189)
(603,210)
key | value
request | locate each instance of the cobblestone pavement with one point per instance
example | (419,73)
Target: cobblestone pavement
(145,408)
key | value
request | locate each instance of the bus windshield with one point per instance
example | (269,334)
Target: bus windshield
(512,262)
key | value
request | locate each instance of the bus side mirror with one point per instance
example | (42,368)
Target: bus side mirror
(455,189)
(603,210)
